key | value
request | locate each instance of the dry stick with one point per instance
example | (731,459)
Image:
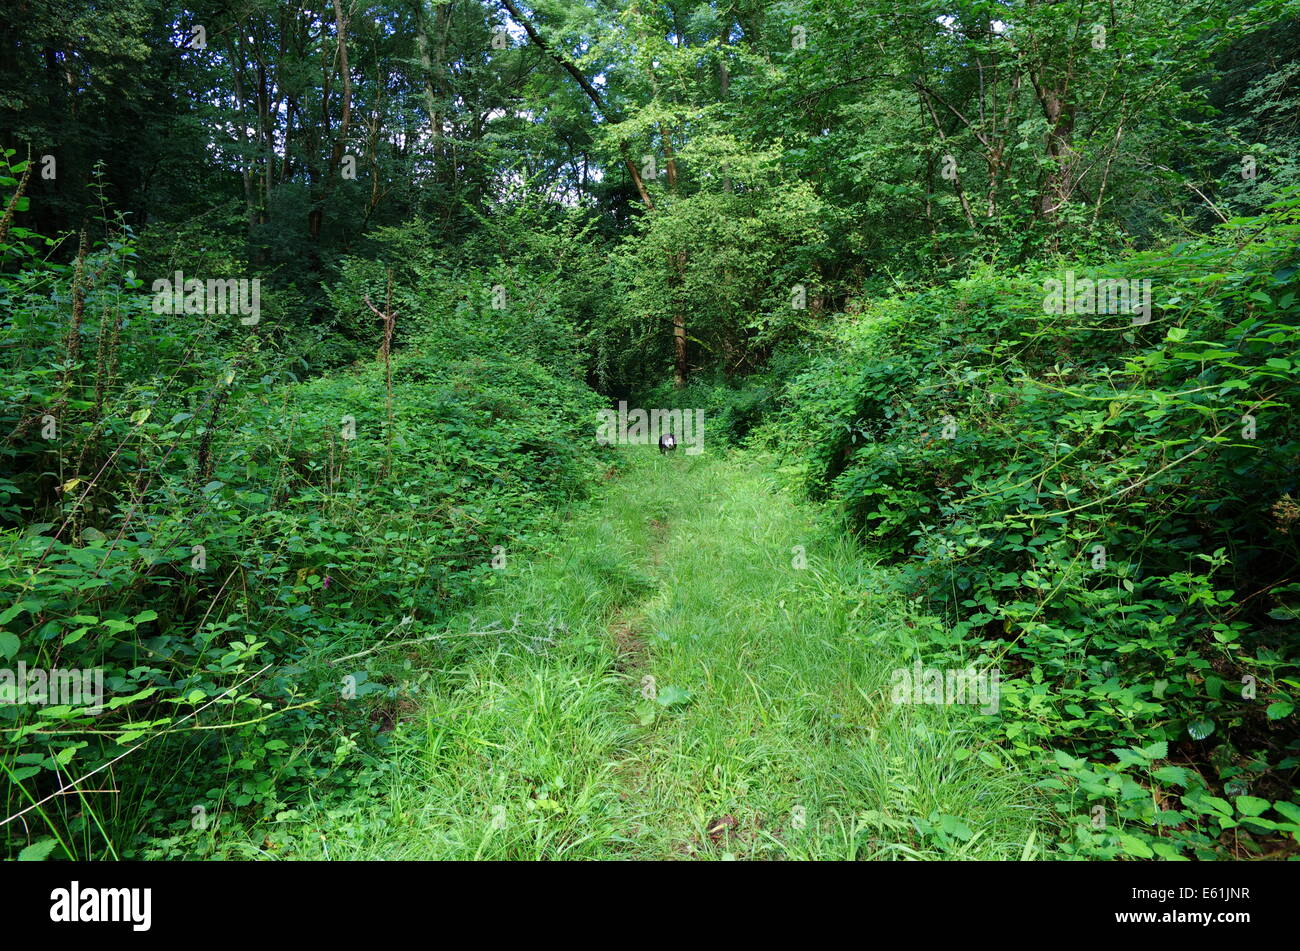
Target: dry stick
(201,726)
(1264,590)
(203,463)
(1212,206)
(101,361)
(72,343)
(105,766)
(514,628)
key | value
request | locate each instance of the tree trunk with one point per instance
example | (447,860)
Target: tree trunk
(317,215)
(681,368)
(1060,120)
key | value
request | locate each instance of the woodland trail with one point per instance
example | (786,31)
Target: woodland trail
(676,686)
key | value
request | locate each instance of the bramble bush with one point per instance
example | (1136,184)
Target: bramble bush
(1106,509)
(251,559)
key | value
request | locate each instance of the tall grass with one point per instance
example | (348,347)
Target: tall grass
(771,735)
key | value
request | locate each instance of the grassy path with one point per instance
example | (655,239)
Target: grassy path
(771,733)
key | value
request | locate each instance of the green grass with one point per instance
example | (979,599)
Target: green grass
(540,744)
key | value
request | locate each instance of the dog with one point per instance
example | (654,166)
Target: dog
(667,443)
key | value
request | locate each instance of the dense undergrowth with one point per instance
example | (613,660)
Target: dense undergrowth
(665,681)
(182,511)
(815,221)
(1100,507)
(1106,507)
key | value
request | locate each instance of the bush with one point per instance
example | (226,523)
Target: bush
(243,555)
(1107,509)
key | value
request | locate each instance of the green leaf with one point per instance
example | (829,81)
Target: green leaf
(1135,846)
(1172,774)
(1157,750)
(673,696)
(645,711)
(17,609)
(990,760)
(1279,709)
(1212,804)
(9,644)
(1252,805)
(75,636)
(1288,809)
(37,851)
(955,827)
(1066,761)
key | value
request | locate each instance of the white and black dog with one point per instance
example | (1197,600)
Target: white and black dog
(667,443)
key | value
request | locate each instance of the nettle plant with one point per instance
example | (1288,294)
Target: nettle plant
(1104,502)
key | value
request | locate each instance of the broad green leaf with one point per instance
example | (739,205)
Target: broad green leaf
(673,696)
(1279,709)
(1135,846)
(955,827)
(38,851)
(1251,805)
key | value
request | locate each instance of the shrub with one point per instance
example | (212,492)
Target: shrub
(1104,507)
